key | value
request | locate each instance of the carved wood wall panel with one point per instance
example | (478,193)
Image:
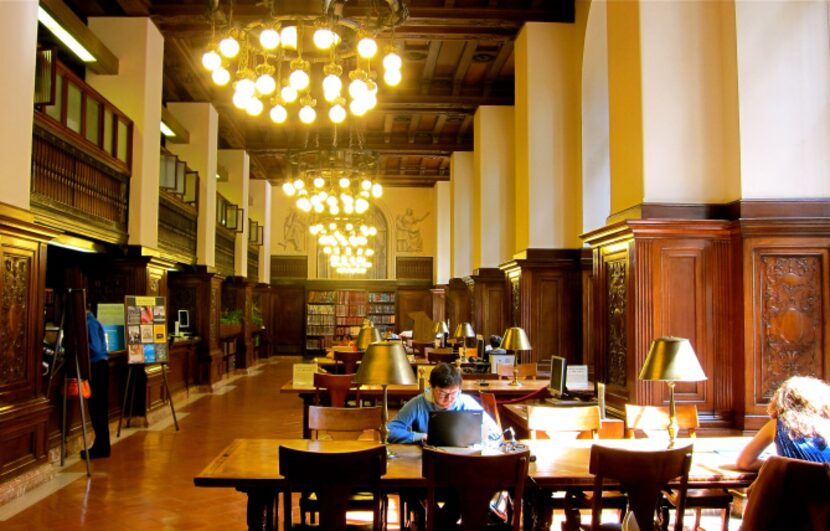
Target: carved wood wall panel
(439,303)
(786,303)
(14,302)
(177,229)
(458,303)
(413,267)
(288,267)
(617,294)
(253,263)
(225,245)
(288,319)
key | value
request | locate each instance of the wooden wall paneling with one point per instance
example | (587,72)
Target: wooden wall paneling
(546,295)
(263,301)
(409,300)
(786,306)
(489,302)
(458,303)
(24,415)
(287,320)
(588,291)
(240,291)
(439,302)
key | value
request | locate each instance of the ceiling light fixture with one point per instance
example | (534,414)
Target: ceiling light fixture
(294,62)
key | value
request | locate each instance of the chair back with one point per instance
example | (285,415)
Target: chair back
(348,359)
(526,370)
(343,423)
(474,479)
(653,420)
(488,403)
(336,387)
(642,475)
(442,355)
(582,422)
(333,477)
(789,494)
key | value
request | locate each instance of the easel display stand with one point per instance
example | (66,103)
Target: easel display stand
(129,395)
(76,353)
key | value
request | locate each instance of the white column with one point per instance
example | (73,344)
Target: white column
(136,90)
(548,200)
(784,89)
(18,38)
(493,192)
(237,163)
(202,122)
(461,178)
(261,209)
(443,232)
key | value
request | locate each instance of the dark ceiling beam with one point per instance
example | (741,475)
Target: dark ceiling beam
(463,65)
(429,66)
(187,79)
(430,103)
(135,8)
(463,128)
(505,51)
(384,150)
(439,126)
(388,121)
(414,123)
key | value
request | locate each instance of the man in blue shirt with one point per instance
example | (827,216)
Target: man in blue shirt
(99,385)
(444,394)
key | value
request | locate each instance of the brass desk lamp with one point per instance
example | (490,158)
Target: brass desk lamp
(383,364)
(367,335)
(671,360)
(462,332)
(515,339)
(440,328)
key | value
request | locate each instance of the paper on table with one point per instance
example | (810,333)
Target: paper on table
(303,374)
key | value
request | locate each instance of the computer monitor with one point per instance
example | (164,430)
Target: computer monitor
(558,373)
(184,319)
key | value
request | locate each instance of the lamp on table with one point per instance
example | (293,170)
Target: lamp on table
(462,332)
(671,360)
(368,334)
(383,364)
(516,340)
(440,328)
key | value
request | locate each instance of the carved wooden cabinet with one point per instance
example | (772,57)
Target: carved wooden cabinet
(490,302)
(24,410)
(458,300)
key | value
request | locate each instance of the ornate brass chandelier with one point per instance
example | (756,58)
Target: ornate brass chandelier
(346,244)
(300,61)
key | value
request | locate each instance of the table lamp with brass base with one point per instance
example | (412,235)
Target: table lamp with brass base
(440,328)
(515,339)
(368,334)
(462,332)
(385,363)
(671,360)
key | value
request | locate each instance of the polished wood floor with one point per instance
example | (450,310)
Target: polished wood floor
(147,483)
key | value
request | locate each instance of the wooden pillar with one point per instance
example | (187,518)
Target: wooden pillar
(458,303)
(240,292)
(490,302)
(545,292)
(263,295)
(201,294)
(439,302)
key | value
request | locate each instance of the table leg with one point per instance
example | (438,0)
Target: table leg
(308,399)
(537,513)
(261,512)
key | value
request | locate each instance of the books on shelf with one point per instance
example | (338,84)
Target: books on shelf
(331,315)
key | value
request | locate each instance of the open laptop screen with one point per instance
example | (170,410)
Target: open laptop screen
(454,428)
(558,372)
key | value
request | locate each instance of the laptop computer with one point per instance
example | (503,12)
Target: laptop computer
(454,428)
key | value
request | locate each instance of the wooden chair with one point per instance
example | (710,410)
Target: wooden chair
(333,477)
(652,421)
(344,423)
(488,402)
(789,494)
(643,476)
(526,370)
(582,422)
(442,355)
(348,360)
(473,480)
(336,387)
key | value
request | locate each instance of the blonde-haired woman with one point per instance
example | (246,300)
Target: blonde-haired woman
(799,427)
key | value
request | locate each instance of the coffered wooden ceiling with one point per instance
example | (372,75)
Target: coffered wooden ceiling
(457,55)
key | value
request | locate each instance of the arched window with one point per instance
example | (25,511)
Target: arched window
(380,244)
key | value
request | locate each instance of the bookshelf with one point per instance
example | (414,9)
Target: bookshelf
(332,315)
(350,311)
(381,310)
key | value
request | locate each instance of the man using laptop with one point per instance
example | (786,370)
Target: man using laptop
(411,423)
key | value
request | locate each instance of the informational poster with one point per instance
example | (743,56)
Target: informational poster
(146,325)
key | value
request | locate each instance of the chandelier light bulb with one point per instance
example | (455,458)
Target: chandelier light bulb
(211,60)
(289,95)
(240,100)
(370,252)
(270,39)
(326,250)
(361,205)
(366,184)
(254,107)
(279,114)
(367,47)
(337,113)
(392,61)
(334,210)
(370,101)
(266,85)
(245,87)
(318,208)
(288,37)
(357,88)
(220,76)
(357,107)
(323,38)
(315,229)
(304,204)
(288,189)
(229,47)
(319,182)
(299,184)
(298,80)
(377,190)
(392,77)
(344,182)
(348,209)
(332,201)
(308,114)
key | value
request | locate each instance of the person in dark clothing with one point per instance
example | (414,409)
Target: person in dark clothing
(99,385)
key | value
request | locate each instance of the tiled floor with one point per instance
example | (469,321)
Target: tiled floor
(148,481)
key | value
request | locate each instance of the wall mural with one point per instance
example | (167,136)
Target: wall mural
(294,232)
(409,239)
